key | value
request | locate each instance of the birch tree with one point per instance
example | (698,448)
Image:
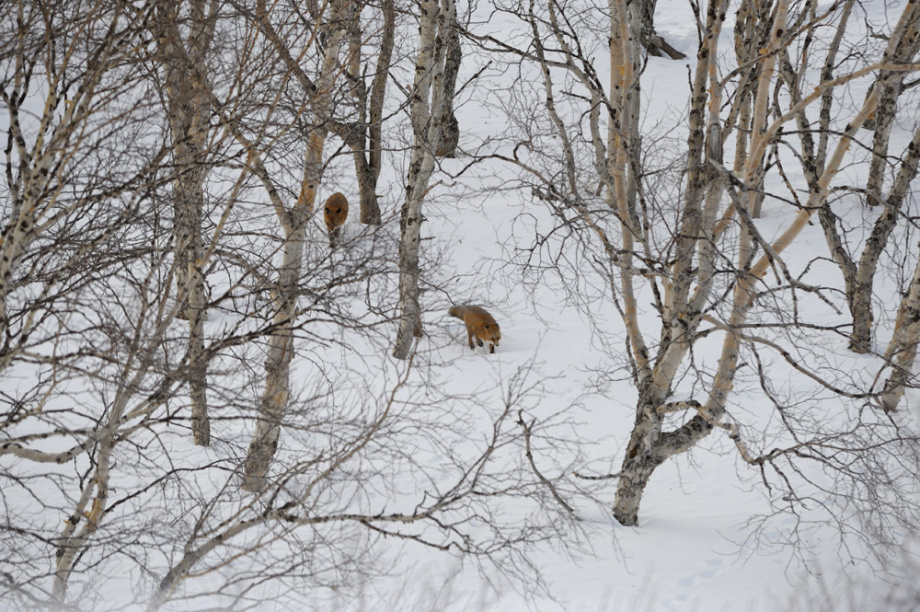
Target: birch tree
(427,99)
(858,263)
(359,122)
(365,133)
(77,175)
(51,91)
(294,224)
(105,503)
(696,254)
(188,99)
(449,127)
(890,85)
(902,349)
(649,38)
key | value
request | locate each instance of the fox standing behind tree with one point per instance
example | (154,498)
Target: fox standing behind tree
(479,323)
(335,212)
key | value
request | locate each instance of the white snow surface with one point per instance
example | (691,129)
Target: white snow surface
(698,545)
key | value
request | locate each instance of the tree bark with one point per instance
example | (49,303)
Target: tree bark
(368,165)
(902,349)
(426,102)
(648,37)
(448,126)
(890,85)
(648,445)
(276,392)
(860,290)
(188,100)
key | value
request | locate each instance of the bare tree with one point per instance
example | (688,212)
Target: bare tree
(294,222)
(358,123)
(858,263)
(334,495)
(365,134)
(697,254)
(890,85)
(437,23)
(188,102)
(98,476)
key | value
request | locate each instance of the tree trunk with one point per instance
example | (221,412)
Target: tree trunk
(294,223)
(889,85)
(368,164)
(902,350)
(633,478)
(648,446)
(859,292)
(449,128)
(426,102)
(648,37)
(188,101)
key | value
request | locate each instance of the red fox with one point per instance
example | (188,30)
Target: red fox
(479,323)
(334,213)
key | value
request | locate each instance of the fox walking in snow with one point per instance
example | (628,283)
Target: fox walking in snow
(334,214)
(479,323)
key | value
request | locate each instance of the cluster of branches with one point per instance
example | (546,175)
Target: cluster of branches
(645,218)
(163,289)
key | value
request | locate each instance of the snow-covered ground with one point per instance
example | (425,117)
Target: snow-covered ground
(708,537)
(698,545)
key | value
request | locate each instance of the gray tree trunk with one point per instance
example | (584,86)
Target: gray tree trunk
(889,85)
(294,223)
(448,126)
(367,140)
(648,37)
(426,103)
(188,100)
(648,445)
(859,291)
(902,350)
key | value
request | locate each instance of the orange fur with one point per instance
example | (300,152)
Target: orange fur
(479,324)
(335,212)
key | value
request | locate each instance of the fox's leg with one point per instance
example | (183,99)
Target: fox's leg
(491,348)
(469,338)
(479,341)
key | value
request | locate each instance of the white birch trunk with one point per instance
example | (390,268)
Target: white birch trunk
(902,349)
(189,115)
(648,447)
(294,223)
(426,102)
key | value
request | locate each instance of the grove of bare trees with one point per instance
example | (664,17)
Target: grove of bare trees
(670,231)
(206,401)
